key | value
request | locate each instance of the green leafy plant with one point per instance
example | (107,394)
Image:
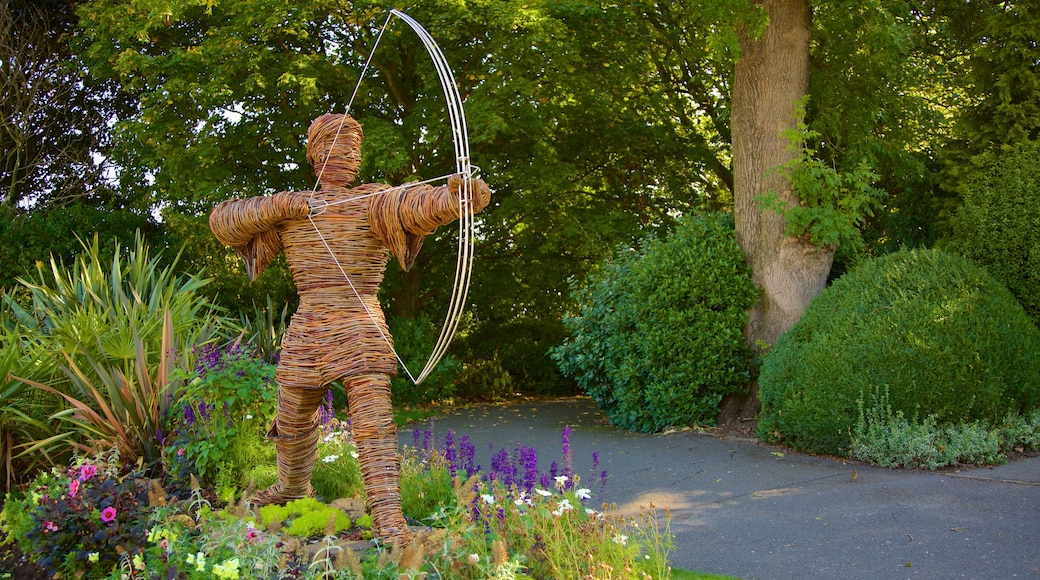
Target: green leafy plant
(890,439)
(833,205)
(305,517)
(105,311)
(337,473)
(121,407)
(21,410)
(86,515)
(658,340)
(997,223)
(217,423)
(948,342)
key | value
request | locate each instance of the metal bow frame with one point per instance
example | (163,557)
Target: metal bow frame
(463,167)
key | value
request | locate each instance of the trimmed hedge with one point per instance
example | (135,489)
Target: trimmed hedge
(998,225)
(659,338)
(934,331)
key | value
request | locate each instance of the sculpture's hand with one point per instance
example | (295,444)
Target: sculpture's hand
(479,190)
(292,205)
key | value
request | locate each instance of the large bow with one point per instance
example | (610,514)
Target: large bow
(460,138)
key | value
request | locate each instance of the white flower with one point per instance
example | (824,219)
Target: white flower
(354,454)
(542,492)
(249,417)
(561,480)
(563,506)
(590,512)
(474,559)
(621,539)
(583,493)
(488,498)
(330,458)
(520,499)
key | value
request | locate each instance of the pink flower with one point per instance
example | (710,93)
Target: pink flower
(50,527)
(108,514)
(180,452)
(73,487)
(87,471)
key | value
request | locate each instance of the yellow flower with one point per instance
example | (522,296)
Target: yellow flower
(93,557)
(228,570)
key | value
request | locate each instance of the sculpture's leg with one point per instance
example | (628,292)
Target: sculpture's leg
(295,434)
(372,424)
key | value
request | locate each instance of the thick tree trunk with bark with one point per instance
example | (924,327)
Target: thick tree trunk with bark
(770,80)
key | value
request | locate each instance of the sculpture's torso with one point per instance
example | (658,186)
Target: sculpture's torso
(335,261)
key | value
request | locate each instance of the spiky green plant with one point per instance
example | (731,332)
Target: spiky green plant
(102,310)
(19,406)
(120,406)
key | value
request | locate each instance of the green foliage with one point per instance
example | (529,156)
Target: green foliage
(103,340)
(92,507)
(998,223)
(833,205)
(21,410)
(485,380)
(103,310)
(305,517)
(119,406)
(427,486)
(658,340)
(943,338)
(413,341)
(892,440)
(337,473)
(216,425)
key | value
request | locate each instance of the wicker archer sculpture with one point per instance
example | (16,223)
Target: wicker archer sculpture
(337,249)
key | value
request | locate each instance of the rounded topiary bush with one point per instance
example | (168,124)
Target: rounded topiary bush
(998,224)
(658,339)
(933,332)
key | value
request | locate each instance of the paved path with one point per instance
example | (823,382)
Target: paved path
(754,511)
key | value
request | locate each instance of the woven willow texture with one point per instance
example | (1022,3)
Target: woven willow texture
(338,240)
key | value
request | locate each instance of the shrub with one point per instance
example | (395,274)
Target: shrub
(933,330)
(305,517)
(998,224)
(658,341)
(217,424)
(414,340)
(85,516)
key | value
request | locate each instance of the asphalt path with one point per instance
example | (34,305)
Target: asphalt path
(749,510)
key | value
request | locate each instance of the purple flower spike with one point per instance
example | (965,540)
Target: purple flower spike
(529,459)
(450,455)
(566,439)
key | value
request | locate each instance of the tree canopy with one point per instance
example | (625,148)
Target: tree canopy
(594,123)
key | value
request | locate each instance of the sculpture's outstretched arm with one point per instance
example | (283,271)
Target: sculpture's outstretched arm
(250,226)
(402,217)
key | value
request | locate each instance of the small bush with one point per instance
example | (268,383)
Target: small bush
(414,340)
(947,341)
(998,224)
(658,341)
(305,517)
(85,516)
(217,424)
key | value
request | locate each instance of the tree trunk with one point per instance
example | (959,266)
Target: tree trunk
(770,80)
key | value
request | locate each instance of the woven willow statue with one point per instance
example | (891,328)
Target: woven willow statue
(337,241)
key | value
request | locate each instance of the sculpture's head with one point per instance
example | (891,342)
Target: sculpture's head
(334,149)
